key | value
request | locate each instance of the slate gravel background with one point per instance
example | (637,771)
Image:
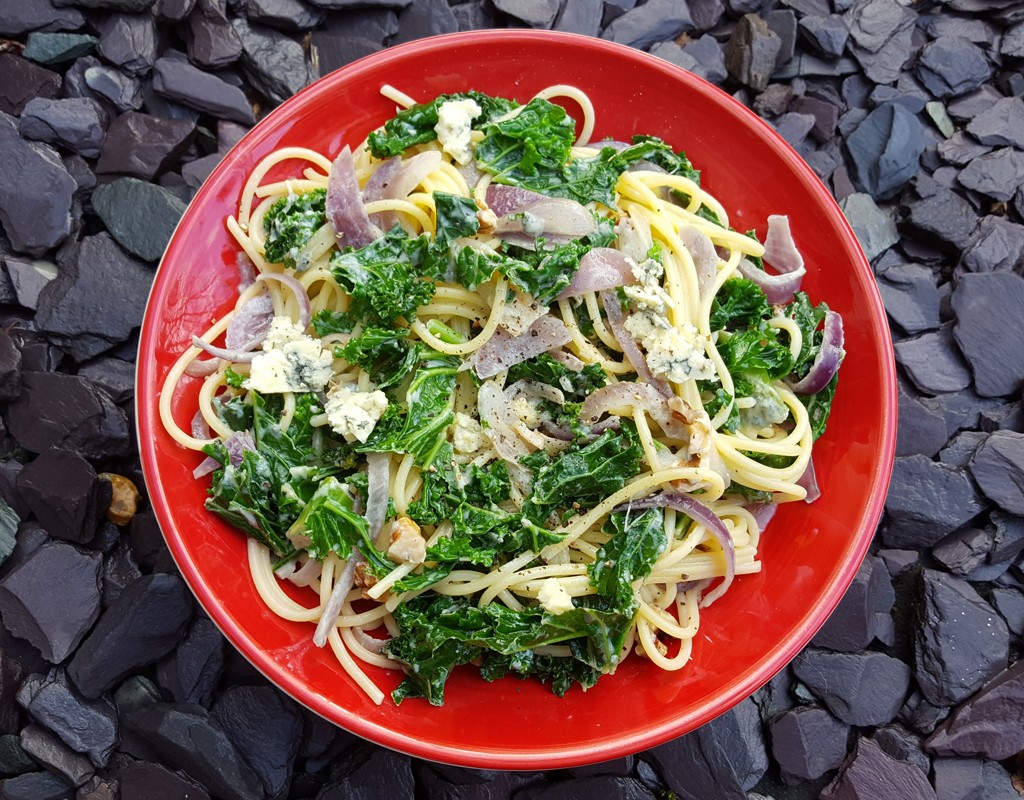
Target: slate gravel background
(113,684)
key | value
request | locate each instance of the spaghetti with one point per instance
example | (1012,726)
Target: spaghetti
(502,394)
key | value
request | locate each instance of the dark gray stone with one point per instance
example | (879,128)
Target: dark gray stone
(86,726)
(274,63)
(952,66)
(865,605)
(145,623)
(859,688)
(807,742)
(1009,541)
(334,51)
(933,362)
(143,780)
(881,37)
(35,192)
(24,81)
(143,146)
(703,57)
(961,148)
(995,351)
(706,14)
(180,81)
(885,150)
(52,598)
(57,49)
(267,730)
(926,501)
(902,745)
(425,18)
(997,174)
(870,772)
(285,15)
(934,210)
(78,124)
(827,35)
(582,17)
(8,527)
(141,216)
(874,227)
(191,673)
(112,375)
(1012,43)
(911,297)
(173,10)
(794,128)
(97,301)
(774,100)
(25,16)
(211,40)
(189,740)
(129,42)
(367,772)
(723,759)
(997,244)
(961,447)
(111,5)
(28,278)
(960,641)
(620,787)
(56,756)
(990,724)
(752,51)
(37,786)
(782,22)
(1001,124)
(996,467)
(825,113)
(654,21)
(965,778)
(1010,605)
(65,495)
(123,91)
(964,550)
(14,760)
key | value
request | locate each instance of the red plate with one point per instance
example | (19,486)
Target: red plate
(810,552)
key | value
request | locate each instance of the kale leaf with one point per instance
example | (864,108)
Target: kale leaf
(561,673)
(582,475)
(289,224)
(384,278)
(576,386)
(530,148)
(637,541)
(739,303)
(757,349)
(456,217)
(819,406)
(415,125)
(386,354)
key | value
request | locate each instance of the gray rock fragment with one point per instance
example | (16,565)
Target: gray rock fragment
(911,297)
(56,756)
(807,742)
(751,53)
(285,15)
(885,150)
(926,501)
(997,244)
(861,689)
(28,278)
(57,49)
(129,41)
(274,63)
(933,362)
(997,466)
(141,216)
(960,149)
(123,91)
(994,350)
(998,174)
(211,40)
(933,209)
(957,778)
(1001,124)
(825,34)
(582,17)
(78,124)
(875,228)
(901,744)
(25,16)
(178,80)
(869,772)
(865,606)
(654,21)
(952,66)
(964,550)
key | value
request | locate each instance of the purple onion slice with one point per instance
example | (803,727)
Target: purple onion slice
(345,210)
(830,356)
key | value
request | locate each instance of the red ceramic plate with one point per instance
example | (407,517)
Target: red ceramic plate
(810,552)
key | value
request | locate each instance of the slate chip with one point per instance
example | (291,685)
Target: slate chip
(23,82)
(619,787)
(724,758)
(964,550)
(274,63)
(997,244)
(25,16)
(875,228)
(956,778)
(52,598)
(825,34)
(911,297)
(37,786)
(53,754)
(77,124)
(123,91)
(1009,541)
(189,740)
(211,40)
(180,81)
(936,211)
(885,150)
(752,51)
(190,674)
(869,772)
(10,369)
(934,362)
(129,42)
(363,773)
(1001,124)
(961,447)
(267,730)
(145,623)
(807,742)
(57,49)
(1010,605)
(960,641)
(334,51)
(28,279)
(862,689)
(952,66)
(35,192)
(143,780)
(865,605)
(141,216)
(881,37)
(426,18)
(584,17)
(902,745)
(990,724)
(64,493)
(995,351)
(998,174)
(997,466)
(926,501)
(285,15)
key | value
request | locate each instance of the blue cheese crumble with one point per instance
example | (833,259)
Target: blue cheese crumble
(454,128)
(354,414)
(468,434)
(676,353)
(290,361)
(647,294)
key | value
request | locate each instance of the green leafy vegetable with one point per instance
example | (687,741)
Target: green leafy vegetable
(289,224)
(637,541)
(758,349)
(819,406)
(415,125)
(739,303)
(530,148)
(385,353)
(456,216)
(545,369)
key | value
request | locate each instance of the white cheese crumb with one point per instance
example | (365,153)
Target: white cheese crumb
(468,434)
(648,293)
(352,413)
(675,353)
(454,126)
(553,597)
(290,361)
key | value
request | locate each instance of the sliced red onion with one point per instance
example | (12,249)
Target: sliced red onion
(200,430)
(371,643)
(237,444)
(206,466)
(237,356)
(600,268)
(521,312)
(409,175)
(503,350)
(381,178)
(301,575)
(634,238)
(705,257)
(830,356)
(557,219)
(567,359)
(616,320)
(345,210)
(504,200)
(780,253)
(246,271)
(689,586)
(296,287)
(669,413)
(200,369)
(534,390)
(809,481)
(250,323)
(332,609)
(564,434)
(762,513)
(499,420)
(379,474)
(471,174)
(702,515)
